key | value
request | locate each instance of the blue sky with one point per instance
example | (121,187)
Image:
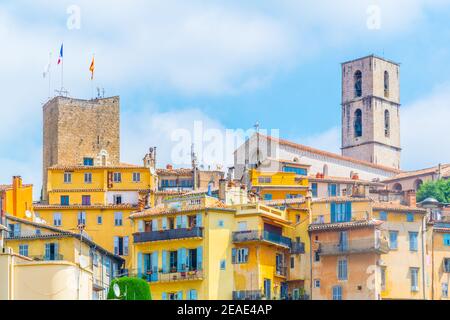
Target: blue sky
(223,63)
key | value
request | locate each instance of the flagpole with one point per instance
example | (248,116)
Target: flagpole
(92,77)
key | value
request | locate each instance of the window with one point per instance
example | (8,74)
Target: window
(51,252)
(383,278)
(64,200)
(297,218)
(337,293)
(81,217)
(410,217)
(57,219)
(446,239)
(314,190)
(117,199)
(264,179)
(342,269)
(88,162)
(67,177)
(23,250)
(343,241)
(413,241)
(316,283)
(358,123)
(192,294)
(397,187)
(383,216)
(358,84)
(88,177)
(333,190)
(220,223)
(393,244)
(118,219)
(268,196)
(341,212)
(445,290)
(239,255)
(387,123)
(292,262)
(242,226)
(298,171)
(316,256)
(223,264)
(414,279)
(121,246)
(386,84)
(447,265)
(136,176)
(14,230)
(99,219)
(117,177)
(86,200)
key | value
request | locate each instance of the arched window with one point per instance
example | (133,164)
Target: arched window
(358,123)
(387,123)
(417,184)
(398,187)
(358,84)
(386,84)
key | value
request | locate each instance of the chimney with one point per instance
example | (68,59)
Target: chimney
(410,198)
(169,167)
(17,185)
(222,189)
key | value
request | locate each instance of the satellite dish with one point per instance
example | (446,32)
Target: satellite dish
(28,214)
(116,289)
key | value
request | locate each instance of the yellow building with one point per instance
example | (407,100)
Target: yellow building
(278,179)
(196,247)
(45,263)
(439,246)
(16,199)
(99,197)
(404,268)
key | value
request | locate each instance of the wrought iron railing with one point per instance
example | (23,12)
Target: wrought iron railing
(354,246)
(172,234)
(247,295)
(55,257)
(297,247)
(258,235)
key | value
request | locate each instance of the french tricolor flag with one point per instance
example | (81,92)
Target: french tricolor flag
(60,54)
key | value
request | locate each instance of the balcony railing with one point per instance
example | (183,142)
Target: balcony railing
(354,247)
(168,276)
(257,235)
(247,295)
(297,248)
(341,218)
(172,234)
(281,271)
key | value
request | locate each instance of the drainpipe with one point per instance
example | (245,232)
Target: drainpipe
(432,263)
(423,257)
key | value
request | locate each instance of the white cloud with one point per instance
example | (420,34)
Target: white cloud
(329,140)
(425,130)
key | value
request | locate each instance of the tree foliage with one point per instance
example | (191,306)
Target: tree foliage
(130,289)
(440,190)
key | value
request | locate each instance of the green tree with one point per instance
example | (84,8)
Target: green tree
(130,289)
(440,190)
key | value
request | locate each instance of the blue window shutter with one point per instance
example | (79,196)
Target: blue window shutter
(47,251)
(116,245)
(233,255)
(183,258)
(180,295)
(183,221)
(192,294)
(125,246)
(56,250)
(333,212)
(164,296)
(179,263)
(199,220)
(178,222)
(139,264)
(165,268)
(348,211)
(141,226)
(200,258)
(164,223)
(146,257)
(155,224)
(446,239)
(155,266)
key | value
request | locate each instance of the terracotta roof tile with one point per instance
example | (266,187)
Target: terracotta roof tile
(445,171)
(341,199)
(344,180)
(344,225)
(392,206)
(38,206)
(109,167)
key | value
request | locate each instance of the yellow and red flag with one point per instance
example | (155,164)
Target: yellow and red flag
(92,68)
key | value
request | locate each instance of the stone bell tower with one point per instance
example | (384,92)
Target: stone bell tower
(371,111)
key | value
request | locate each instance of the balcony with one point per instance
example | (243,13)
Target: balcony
(257,235)
(379,246)
(297,248)
(153,277)
(172,234)
(247,295)
(281,271)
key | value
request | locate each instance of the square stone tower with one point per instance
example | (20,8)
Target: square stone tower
(371,111)
(80,132)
